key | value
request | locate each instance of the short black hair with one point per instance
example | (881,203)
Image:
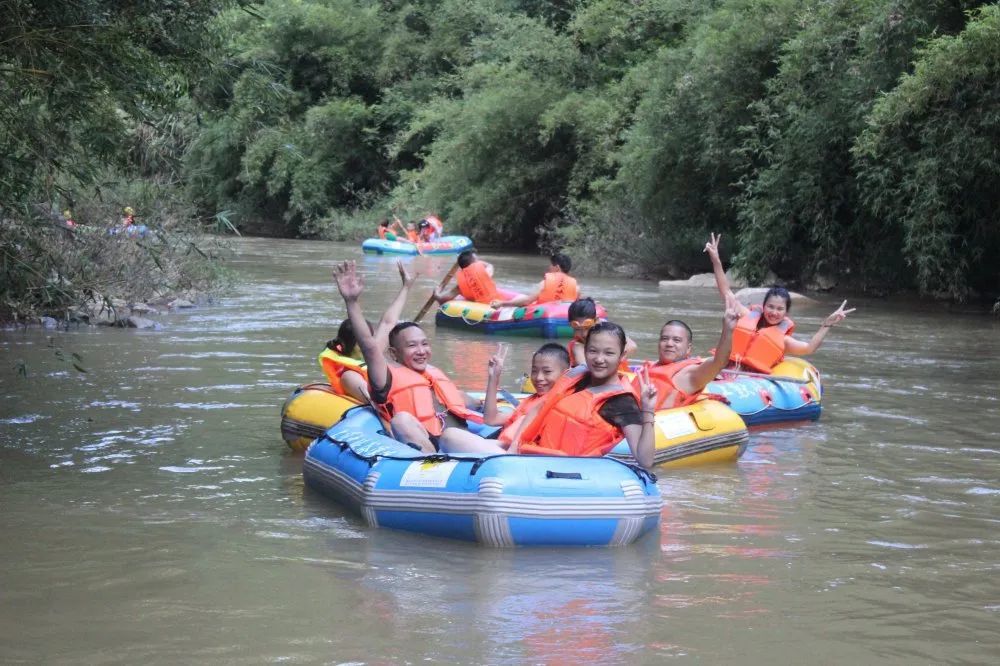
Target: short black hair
(555,350)
(582,308)
(399,328)
(562,261)
(608,327)
(466,258)
(678,322)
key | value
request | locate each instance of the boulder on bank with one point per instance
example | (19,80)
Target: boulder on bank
(751,295)
(140,323)
(705,280)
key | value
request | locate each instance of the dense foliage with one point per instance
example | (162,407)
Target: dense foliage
(88,99)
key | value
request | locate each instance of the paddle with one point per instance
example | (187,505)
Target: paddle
(444,282)
(761,375)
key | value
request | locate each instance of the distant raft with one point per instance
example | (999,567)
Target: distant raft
(444,245)
(544,320)
(792,392)
(704,432)
(499,501)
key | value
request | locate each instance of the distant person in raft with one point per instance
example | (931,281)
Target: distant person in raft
(342,361)
(679,378)
(473,281)
(430,229)
(421,404)
(582,315)
(763,334)
(590,408)
(391,231)
(557,285)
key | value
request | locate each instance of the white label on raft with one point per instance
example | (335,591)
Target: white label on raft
(427,474)
(678,424)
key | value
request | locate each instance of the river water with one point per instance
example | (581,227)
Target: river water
(150,512)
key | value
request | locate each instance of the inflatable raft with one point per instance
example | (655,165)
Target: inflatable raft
(792,392)
(546,320)
(445,245)
(500,501)
(706,432)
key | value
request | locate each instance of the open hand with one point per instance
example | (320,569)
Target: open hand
(405,275)
(647,390)
(839,315)
(348,281)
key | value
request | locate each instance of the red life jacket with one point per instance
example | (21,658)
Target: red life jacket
(569,423)
(759,348)
(558,287)
(475,283)
(413,392)
(662,376)
(334,365)
(514,420)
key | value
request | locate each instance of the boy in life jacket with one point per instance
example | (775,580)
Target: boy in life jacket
(763,334)
(590,408)
(342,361)
(557,285)
(422,405)
(582,315)
(473,281)
(548,364)
(680,379)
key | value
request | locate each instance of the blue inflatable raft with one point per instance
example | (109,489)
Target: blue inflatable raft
(445,245)
(792,392)
(500,501)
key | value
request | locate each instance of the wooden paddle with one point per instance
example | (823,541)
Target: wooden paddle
(761,375)
(444,283)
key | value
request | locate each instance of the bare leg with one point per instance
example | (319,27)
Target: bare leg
(406,428)
(456,440)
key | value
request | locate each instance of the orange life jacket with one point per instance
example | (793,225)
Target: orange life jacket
(475,284)
(413,392)
(569,423)
(759,348)
(558,287)
(335,364)
(662,376)
(412,235)
(514,420)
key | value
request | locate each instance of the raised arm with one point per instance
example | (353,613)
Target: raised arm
(642,438)
(799,348)
(721,281)
(350,286)
(696,377)
(491,415)
(395,309)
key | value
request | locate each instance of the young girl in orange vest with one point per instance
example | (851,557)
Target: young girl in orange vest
(351,379)
(763,333)
(582,315)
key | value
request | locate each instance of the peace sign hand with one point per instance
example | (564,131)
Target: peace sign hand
(495,367)
(647,390)
(839,315)
(712,247)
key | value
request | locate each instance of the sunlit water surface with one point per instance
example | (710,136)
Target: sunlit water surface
(151,514)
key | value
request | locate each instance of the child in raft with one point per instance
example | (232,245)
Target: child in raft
(763,333)
(346,379)
(582,315)
(590,409)
(556,285)
(547,365)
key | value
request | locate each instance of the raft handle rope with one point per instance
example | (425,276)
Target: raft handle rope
(549,474)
